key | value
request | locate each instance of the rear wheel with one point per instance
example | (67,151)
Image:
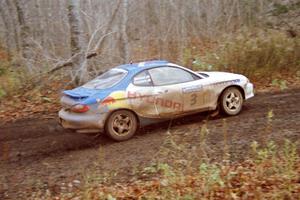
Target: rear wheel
(121,125)
(231,101)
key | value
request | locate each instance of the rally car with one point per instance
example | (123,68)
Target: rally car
(128,96)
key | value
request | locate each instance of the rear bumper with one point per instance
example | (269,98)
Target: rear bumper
(249,91)
(82,121)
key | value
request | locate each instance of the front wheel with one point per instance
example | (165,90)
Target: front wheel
(121,125)
(231,101)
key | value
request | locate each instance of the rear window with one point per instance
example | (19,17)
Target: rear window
(107,79)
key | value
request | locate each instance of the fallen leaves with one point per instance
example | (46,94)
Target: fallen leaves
(245,184)
(36,103)
(248,179)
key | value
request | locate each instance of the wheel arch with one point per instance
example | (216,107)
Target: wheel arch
(120,109)
(233,86)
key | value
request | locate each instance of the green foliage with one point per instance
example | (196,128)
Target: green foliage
(280,9)
(150,170)
(109,197)
(10,82)
(187,56)
(263,154)
(11,78)
(2,93)
(197,62)
(212,174)
(188,197)
(4,65)
(279,83)
(166,169)
(271,167)
(2,71)
(290,158)
(254,54)
(280,161)
(201,65)
(163,168)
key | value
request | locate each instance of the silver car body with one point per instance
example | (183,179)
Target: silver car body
(154,102)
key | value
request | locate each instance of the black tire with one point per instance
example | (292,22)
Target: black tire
(231,101)
(121,125)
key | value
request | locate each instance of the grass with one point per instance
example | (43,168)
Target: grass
(257,54)
(270,172)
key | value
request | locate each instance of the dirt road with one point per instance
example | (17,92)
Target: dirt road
(38,155)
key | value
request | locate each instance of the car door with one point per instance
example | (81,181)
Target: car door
(141,97)
(197,95)
(168,84)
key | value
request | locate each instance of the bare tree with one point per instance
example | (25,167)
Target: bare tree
(76,40)
(5,21)
(51,35)
(124,31)
(12,22)
(24,30)
(24,36)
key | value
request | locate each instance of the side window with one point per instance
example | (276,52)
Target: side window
(170,75)
(142,79)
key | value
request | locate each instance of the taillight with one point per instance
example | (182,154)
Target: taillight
(79,108)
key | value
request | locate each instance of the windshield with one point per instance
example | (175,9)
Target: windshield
(107,79)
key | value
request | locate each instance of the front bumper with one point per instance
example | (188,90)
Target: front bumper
(249,91)
(82,121)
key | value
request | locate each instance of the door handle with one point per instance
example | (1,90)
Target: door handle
(161,92)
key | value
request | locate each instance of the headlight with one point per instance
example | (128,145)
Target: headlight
(247,81)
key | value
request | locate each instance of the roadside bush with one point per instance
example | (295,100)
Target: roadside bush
(10,79)
(255,54)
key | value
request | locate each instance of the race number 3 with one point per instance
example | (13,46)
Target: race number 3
(193,99)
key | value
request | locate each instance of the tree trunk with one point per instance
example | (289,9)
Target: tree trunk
(124,32)
(14,27)
(6,30)
(24,34)
(77,41)
(41,23)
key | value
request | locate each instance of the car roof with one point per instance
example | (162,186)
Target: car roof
(143,65)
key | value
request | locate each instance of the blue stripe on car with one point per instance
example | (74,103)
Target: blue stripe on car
(90,96)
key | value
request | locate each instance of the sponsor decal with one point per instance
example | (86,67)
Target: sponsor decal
(197,88)
(116,99)
(166,103)
(194,88)
(224,82)
(108,100)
